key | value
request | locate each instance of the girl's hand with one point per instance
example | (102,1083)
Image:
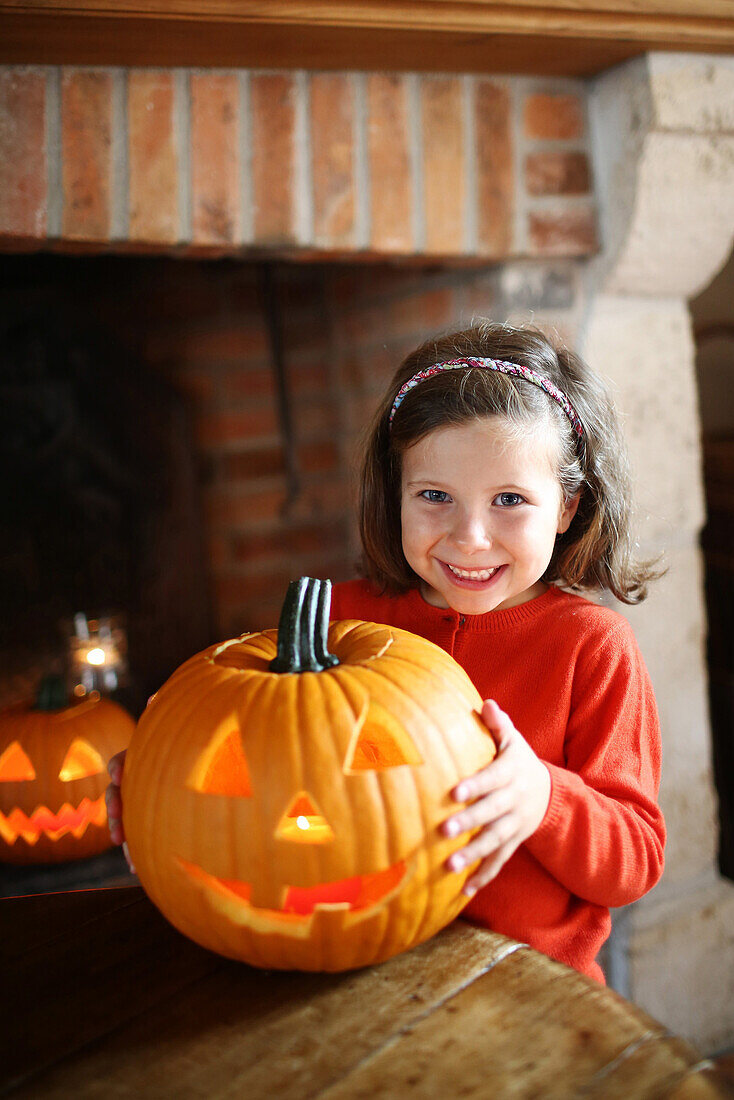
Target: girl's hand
(512,795)
(113,800)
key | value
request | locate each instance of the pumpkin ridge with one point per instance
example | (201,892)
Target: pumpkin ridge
(386,814)
(348,674)
(443,742)
(148,753)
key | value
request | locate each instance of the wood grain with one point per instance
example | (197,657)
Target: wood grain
(425,35)
(110,1001)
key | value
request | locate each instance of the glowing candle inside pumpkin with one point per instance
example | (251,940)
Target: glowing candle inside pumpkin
(303,822)
(316,827)
(97,656)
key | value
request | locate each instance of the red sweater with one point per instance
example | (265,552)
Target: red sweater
(572,679)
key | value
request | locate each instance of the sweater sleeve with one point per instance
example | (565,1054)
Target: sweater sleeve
(603,833)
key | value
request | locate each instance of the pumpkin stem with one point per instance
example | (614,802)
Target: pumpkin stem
(303,628)
(51,694)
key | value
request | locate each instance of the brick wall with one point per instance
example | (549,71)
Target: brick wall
(449,173)
(345,329)
(378,164)
(201,324)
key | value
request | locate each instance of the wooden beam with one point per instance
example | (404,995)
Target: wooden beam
(557,37)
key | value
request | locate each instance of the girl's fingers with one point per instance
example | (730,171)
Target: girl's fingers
(497,774)
(115,766)
(488,869)
(126,853)
(497,722)
(113,801)
(501,832)
(483,812)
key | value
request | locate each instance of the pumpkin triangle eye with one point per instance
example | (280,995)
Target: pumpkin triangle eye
(80,761)
(380,742)
(304,822)
(222,767)
(15,765)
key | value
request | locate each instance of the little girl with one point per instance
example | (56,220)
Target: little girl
(494,471)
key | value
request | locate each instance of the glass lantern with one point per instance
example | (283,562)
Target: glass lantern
(96,654)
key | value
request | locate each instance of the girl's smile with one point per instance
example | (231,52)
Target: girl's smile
(480,510)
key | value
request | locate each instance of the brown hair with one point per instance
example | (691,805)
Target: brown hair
(596,550)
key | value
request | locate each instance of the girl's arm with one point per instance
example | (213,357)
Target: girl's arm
(601,832)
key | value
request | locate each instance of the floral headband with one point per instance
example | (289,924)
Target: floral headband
(502,368)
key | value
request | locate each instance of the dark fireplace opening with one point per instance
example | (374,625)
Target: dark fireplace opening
(101,489)
(179,438)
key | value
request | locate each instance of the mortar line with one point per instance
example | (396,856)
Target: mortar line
(54,153)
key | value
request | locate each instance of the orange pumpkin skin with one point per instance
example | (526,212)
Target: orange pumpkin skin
(362,756)
(53,775)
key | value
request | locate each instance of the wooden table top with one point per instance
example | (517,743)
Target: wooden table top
(103,998)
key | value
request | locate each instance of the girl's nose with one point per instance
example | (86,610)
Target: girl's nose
(471,531)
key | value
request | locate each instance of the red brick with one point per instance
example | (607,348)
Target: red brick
(364,408)
(152,157)
(23,170)
(256,546)
(557,117)
(318,457)
(495,175)
(261,613)
(391,200)
(227,509)
(252,464)
(557,174)
(232,589)
(216,428)
(86,133)
(421,313)
(218,550)
(325,497)
(290,540)
(272,98)
(567,233)
(347,283)
(215,184)
(305,377)
(198,385)
(364,324)
(444,169)
(332,148)
(314,417)
(238,383)
(235,342)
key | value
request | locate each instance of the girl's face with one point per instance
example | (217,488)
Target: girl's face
(480,511)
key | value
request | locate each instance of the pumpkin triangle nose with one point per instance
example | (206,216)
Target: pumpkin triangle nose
(303,822)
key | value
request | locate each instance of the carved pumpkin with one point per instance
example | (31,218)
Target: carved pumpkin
(282,808)
(53,775)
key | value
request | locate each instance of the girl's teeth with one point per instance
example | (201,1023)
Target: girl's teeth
(473,574)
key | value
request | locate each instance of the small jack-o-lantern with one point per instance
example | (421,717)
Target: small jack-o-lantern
(53,775)
(283,790)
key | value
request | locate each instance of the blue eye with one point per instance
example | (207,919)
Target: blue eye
(435,496)
(510,500)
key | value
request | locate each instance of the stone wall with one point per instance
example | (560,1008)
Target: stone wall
(663,133)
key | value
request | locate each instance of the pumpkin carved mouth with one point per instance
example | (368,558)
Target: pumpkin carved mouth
(358,894)
(42,822)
